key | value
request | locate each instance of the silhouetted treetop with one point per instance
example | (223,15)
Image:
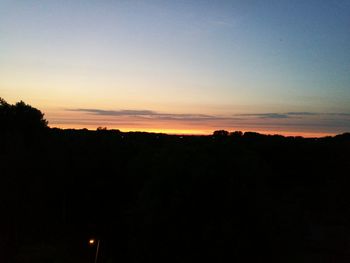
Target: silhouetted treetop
(220,133)
(21,117)
(236,134)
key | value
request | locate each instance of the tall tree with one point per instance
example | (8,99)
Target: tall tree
(21,117)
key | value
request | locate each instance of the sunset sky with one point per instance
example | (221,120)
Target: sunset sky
(183,66)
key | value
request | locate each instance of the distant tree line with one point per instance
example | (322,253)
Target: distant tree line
(225,197)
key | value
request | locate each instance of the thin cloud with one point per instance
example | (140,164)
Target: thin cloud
(293,114)
(265,115)
(116,113)
(301,113)
(306,113)
(148,114)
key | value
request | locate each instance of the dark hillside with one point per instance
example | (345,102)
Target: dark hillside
(165,198)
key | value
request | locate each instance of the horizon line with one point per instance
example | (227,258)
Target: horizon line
(188,132)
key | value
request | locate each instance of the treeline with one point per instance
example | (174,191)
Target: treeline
(148,197)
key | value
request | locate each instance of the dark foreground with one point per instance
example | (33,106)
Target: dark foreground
(160,198)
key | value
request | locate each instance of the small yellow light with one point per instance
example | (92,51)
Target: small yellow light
(91,241)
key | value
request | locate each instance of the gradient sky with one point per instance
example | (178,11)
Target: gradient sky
(180,66)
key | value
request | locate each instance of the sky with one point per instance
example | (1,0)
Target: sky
(182,66)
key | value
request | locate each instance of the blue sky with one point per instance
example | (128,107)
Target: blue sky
(217,58)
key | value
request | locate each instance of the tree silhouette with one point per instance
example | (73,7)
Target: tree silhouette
(220,133)
(236,134)
(20,117)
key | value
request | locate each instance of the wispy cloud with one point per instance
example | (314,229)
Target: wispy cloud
(294,114)
(116,112)
(266,115)
(149,114)
(274,121)
(301,113)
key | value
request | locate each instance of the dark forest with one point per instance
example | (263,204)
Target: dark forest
(225,197)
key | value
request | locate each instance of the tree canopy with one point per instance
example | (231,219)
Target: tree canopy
(20,117)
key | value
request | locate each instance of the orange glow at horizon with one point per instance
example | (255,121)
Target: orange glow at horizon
(174,131)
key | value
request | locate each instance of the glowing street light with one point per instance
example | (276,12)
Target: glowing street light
(92,242)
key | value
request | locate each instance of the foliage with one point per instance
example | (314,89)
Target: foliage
(20,117)
(220,133)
